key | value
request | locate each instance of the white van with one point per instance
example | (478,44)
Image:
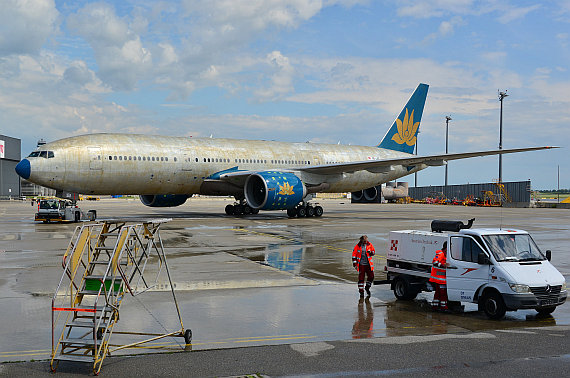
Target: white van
(500,269)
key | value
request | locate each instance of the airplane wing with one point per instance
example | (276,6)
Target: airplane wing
(377,166)
(411,160)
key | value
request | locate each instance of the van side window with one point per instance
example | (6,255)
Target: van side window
(465,249)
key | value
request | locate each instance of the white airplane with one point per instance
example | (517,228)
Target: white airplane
(261,175)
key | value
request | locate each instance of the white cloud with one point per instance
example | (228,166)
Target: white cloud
(78,73)
(281,79)
(513,13)
(439,8)
(120,54)
(25,25)
(434,8)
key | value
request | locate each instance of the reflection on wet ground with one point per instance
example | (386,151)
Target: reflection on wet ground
(293,278)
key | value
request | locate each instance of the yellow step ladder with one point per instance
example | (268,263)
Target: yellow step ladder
(103,262)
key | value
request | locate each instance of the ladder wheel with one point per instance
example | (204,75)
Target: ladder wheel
(188,336)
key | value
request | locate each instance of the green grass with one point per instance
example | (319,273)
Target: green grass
(543,195)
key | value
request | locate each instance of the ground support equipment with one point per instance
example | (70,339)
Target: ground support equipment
(104,262)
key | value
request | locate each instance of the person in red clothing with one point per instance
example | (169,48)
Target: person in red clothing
(439,280)
(362,262)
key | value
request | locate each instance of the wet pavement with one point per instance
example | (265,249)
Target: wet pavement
(262,280)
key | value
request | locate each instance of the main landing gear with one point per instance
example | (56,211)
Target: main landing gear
(305,210)
(241,208)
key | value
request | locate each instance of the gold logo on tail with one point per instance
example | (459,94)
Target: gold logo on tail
(406,130)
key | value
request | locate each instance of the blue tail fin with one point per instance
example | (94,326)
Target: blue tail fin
(402,135)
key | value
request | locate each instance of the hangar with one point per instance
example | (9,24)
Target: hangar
(9,157)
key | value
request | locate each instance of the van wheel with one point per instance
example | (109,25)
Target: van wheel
(493,305)
(402,289)
(546,310)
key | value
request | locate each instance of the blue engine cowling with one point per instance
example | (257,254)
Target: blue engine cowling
(163,200)
(272,190)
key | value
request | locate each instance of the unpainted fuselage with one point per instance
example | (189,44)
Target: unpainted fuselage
(141,164)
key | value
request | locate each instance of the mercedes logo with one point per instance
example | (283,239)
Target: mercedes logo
(548,288)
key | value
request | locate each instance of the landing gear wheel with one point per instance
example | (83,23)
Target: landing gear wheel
(292,213)
(546,310)
(246,209)
(254,211)
(230,209)
(318,211)
(188,336)
(238,210)
(301,212)
(493,305)
(402,289)
(310,211)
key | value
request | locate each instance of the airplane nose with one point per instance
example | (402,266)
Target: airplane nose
(23,169)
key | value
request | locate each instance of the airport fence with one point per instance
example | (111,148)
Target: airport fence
(514,194)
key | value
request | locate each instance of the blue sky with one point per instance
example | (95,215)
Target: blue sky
(296,70)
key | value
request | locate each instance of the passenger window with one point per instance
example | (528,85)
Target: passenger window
(110,157)
(114,157)
(175,159)
(120,158)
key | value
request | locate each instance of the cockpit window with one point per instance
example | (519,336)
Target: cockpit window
(44,154)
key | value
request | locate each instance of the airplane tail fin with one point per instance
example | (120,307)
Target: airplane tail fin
(402,136)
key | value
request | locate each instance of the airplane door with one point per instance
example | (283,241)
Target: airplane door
(95,158)
(189,159)
(464,275)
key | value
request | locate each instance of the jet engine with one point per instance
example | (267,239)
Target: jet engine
(163,200)
(274,190)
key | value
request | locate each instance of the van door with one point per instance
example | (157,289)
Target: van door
(464,275)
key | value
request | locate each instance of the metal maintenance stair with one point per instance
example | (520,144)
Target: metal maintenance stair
(103,262)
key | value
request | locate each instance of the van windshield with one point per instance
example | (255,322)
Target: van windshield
(513,247)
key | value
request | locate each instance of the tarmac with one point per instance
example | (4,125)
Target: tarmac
(274,296)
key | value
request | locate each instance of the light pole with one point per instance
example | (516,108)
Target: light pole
(502,95)
(447,119)
(416,173)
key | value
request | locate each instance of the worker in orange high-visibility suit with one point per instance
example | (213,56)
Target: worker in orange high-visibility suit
(438,278)
(362,262)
